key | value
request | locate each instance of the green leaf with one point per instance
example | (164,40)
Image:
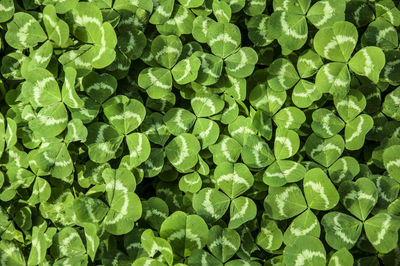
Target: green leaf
(206,105)
(350,106)
(68,242)
(359,197)
(125,206)
(99,86)
(341,257)
(283,171)
(69,95)
(56,28)
(242,210)
(342,230)
(286,143)
(304,224)
(356,130)
(7,10)
(336,43)
(391,160)
(382,231)
(290,118)
(184,232)
(223,39)
(270,236)
(178,120)
(324,151)
(282,75)
(223,242)
(345,168)
(256,152)
(333,78)
(241,64)
(319,191)
(233,179)
(166,50)
(206,131)
(182,151)
(305,250)
(186,70)
(24,31)
(284,202)
(325,123)
(368,62)
(210,204)
(156,81)
(325,13)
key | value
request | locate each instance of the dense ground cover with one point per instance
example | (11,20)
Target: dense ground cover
(199,132)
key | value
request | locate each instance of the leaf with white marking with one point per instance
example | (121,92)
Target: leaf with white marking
(210,204)
(166,50)
(356,130)
(382,231)
(24,31)
(282,75)
(184,232)
(191,3)
(304,224)
(227,149)
(190,183)
(258,32)
(50,121)
(325,13)
(256,152)
(341,257)
(270,236)
(359,197)
(186,70)
(290,29)
(156,81)
(255,7)
(341,230)
(139,148)
(99,87)
(333,78)
(11,133)
(241,64)
(154,164)
(283,171)
(233,179)
(284,202)
(289,118)
(308,63)
(242,210)
(7,10)
(345,168)
(325,123)
(200,255)
(179,23)
(222,11)
(319,191)
(337,42)
(201,26)
(76,131)
(223,39)
(69,95)
(305,250)
(40,57)
(382,34)
(153,245)
(210,69)
(92,240)
(266,99)
(387,10)
(182,151)
(68,242)
(11,254)
(223,242)
(206,104)
(305,94)
(179,120)
(391,104)
(39,245)
(56,160)
(241,129)
(89,210)
(207,131)
(391,160)
(125,206)
(350,106)
(80,59)
(287,143)
(56,28)
(324,151)
(132,43)
(103,142)
(368,62)
(42,88)
(41,191)
(162,11)
(125,116)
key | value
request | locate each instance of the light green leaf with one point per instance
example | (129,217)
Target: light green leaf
(305,250)
(359,197)
(286,143)
(223,242)
(350,106)
(324,151)
(7,10)
(186,70)
(341,257)
(282,75)
(206,105)
(283,171)
(223,39)
(325,13)
(356,130)
(304,224)
(242,210)
(56,28)
(69,95)
(391,160)
(342,230)
(233,179)
(270,236)
(333,78)
(156,81)
(182,151)
(319,191)
(166,50)
(256,152)
(210,204)
(368,62)
(99,86)
(284,202)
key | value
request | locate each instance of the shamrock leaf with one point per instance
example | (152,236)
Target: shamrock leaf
(233,179)
(368,62)
(305,250)
(182,151)
(223,242)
